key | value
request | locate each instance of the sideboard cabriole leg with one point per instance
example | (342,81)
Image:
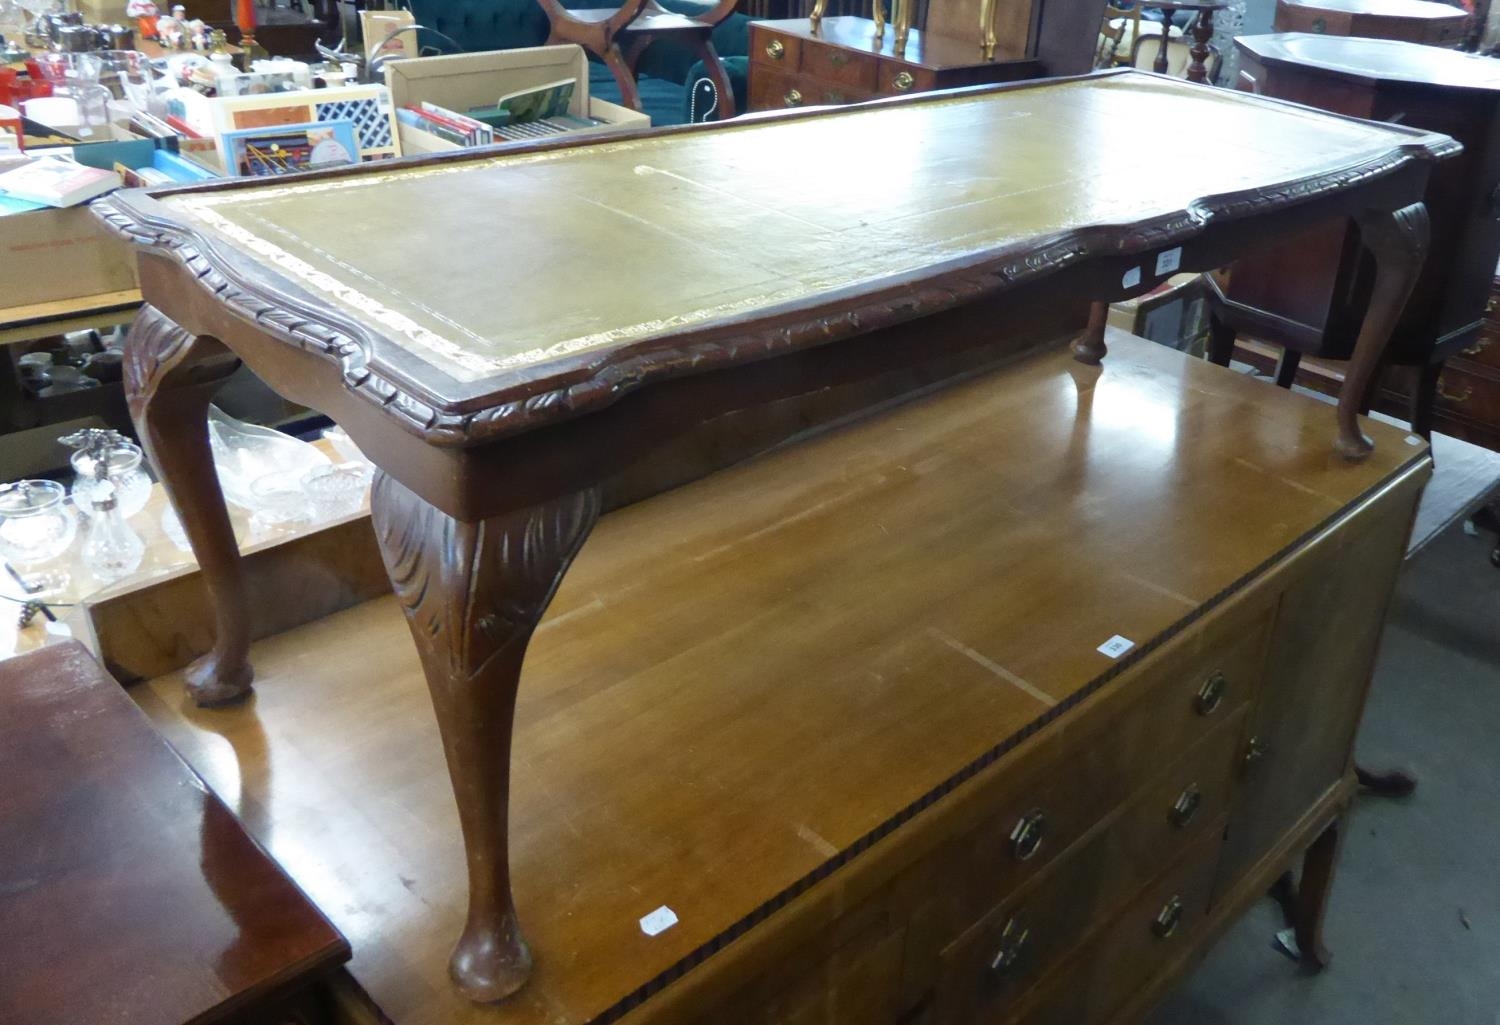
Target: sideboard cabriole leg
(170,378)
(473,593)
(901,15)
(1398,241)
(1089,347)
(1312,897)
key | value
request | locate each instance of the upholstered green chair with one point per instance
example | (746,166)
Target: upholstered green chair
(673,84)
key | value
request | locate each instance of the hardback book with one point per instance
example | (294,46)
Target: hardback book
(539,102)
(57,182)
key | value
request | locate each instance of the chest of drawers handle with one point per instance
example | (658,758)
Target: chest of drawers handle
(1255,753)
(775,49)
(1026,838)
(903,81)
(793,98)
(1013,941)
(1211,694)
(1168,918)
(1187,806)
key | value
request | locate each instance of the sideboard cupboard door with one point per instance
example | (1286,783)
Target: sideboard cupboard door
(1318,668)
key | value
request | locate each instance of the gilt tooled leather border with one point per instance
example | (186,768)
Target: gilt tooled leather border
(597,379)
(1127,662)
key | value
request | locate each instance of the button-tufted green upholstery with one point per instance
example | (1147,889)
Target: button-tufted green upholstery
(664,68)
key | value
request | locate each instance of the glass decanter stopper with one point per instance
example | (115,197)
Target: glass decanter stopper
(111,551)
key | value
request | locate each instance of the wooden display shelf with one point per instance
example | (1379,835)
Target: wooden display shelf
(59,316)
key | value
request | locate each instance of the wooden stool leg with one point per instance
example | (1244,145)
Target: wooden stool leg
(170,378)
(472,594)
(704,48)
(1220,340)
(1312,897)
(630,95)
(1398,241)
(1089,347)
(1286,367)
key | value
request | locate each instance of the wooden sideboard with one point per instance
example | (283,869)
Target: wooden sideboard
(841,708)
(1412,21)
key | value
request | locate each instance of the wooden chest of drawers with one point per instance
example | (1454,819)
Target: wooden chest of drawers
(791,66)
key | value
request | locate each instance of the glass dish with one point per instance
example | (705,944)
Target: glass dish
(132,486)
(244,453)
(337,490)
(35,521)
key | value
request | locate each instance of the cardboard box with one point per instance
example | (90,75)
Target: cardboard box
(466,80)
(61,254)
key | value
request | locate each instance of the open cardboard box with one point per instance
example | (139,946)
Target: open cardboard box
(463,81)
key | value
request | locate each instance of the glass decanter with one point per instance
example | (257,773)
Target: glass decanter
(111,550)
(108,456)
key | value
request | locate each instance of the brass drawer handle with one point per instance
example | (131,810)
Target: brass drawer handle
(1255,753)
(838,59)
(1013,940)
(1211,694)
(1168,918)
(1489,307)
(1456,397)
(903,81)
(834,96)
(1479,346)
(1027,837)
(793,98)
(775,49)
(1188,803)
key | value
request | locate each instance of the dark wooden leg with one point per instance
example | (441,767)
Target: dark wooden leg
(704,48)
(1089,347)
(1220,341)
(615,61)
(1312,897)
(1286,367)
(472,594)
(170,377)
(1424,399)
(1398,241)
(1284,893)
(1391,783)
(1160,64)
(1203,31)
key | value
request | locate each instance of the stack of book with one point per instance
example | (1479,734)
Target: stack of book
(459,129)
(34,183)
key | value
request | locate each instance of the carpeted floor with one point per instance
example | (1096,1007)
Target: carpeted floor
(1414,924)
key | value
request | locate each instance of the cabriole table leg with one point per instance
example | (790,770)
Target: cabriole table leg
(472,594)
(1398,241)
(170,378)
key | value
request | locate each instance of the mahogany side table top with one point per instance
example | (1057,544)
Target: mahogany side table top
(569,317)
(1375,60)
(131,894)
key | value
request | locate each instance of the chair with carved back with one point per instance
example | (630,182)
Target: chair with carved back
(1117,35)
(619,35)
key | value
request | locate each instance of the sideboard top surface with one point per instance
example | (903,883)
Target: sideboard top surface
(744,680)
(554,279)
(1385,60)
(1409,9)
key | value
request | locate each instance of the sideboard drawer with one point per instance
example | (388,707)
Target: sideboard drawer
(836,66)
(774,89)
(775,49)
(1184,697)
(992,965)
(898,78)
(1148,938)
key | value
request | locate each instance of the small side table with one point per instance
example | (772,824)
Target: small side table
(1202,32)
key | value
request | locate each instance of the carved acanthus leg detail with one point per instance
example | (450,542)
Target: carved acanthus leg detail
(170,378)
(1089,347)
(472,594)
(1398,241)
